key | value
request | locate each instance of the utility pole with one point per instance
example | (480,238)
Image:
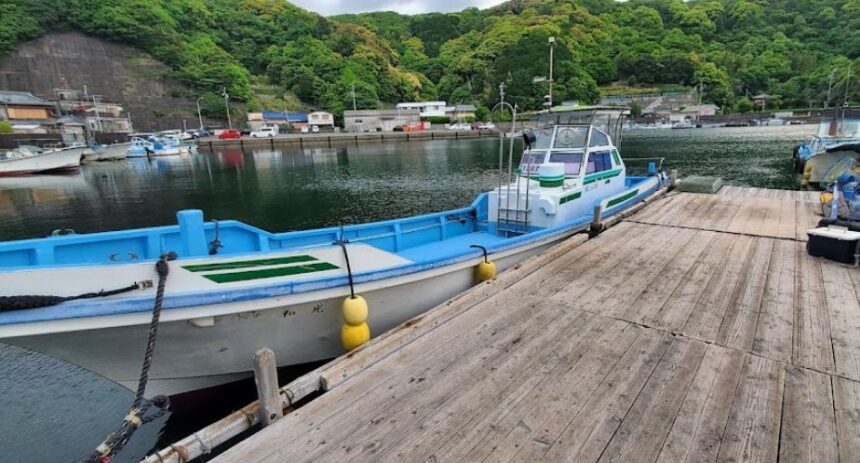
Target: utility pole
(701,90)
(353,97)
(830,87)
(98,118)
(227,105)
(199,116)
(551,42)
(502,92)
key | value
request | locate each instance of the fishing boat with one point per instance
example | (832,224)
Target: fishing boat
(112,152)
(31,160)
(233,288)
(833,150)
(157,146)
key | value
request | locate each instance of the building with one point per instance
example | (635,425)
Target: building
(425,108)
(321,119)
(461,111)
(97,115)
(266,118)
(23,109)
(373,120)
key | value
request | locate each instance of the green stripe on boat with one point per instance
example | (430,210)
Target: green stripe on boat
(615,157)
(270,272)
(623,198)
(591,178)
(249,263)
(569,198)
(551,183)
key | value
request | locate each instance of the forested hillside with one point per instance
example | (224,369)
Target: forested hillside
(787,48)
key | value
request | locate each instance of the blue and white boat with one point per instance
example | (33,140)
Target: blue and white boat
(235,288)
(157,146)
(833,150)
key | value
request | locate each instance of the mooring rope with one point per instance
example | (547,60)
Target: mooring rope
(137,415)
(342,244)
(10,303)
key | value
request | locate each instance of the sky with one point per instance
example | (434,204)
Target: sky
(330,7)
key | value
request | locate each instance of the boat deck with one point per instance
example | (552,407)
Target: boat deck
(697,330)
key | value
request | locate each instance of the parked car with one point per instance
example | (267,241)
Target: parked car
(230,134)
(315,129)
(305,129)
(177,134)
(459,126)
(398,128)
(486,126)
(265,132)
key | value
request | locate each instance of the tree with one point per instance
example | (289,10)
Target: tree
(636,110)
(6,127)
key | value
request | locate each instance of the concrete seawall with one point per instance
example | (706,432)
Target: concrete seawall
(333,139)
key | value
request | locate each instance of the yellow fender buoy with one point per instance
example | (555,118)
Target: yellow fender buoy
(355,331)
(486,270)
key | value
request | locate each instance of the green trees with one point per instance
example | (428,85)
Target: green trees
(735,47)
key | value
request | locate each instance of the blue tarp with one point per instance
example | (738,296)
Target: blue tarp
(282,116)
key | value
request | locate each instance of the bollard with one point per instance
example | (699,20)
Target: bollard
(266,378)
(673,178)
(596,221)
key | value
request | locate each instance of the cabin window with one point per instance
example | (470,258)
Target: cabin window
(571,137)
(598,162)
(531,162)
(543,138)
(572,161)
(598,138)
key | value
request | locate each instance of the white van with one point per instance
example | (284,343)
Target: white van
(265,132)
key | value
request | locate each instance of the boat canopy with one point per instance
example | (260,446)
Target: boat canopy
(567,144)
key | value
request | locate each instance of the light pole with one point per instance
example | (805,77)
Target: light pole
(551,42)
(830,87)
(353,97)
(199,116)
(227,105)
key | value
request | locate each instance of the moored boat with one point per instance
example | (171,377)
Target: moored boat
(234,288)
(833,150)
(30,160)
(113,152)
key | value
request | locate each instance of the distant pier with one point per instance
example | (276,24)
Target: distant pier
(695,329)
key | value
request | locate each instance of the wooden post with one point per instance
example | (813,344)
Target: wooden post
(596,221)
(266,377)
(673,178)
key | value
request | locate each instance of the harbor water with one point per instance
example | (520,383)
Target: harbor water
(52,411)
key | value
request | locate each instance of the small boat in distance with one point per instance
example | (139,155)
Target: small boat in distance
(158,146)
(831,151)
(31,160)
(113,152)
(234,288)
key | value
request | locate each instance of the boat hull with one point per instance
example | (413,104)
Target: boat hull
(822,164)
(200,353)
(51,161)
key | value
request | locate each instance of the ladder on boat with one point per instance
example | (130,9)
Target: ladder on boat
(511,220)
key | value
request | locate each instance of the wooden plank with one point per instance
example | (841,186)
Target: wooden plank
(541,415)
(697,431)
(846,402)
(477,418)
(707,317)
(813,347)
(844,309)
(647,308)
(776,315)
(738,326)
(808,430)
(436,408)
(590,430)
(646,426)
(674,312)
(752,430)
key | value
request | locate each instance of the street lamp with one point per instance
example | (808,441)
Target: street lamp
(227,104)
(551,42)
(199,116)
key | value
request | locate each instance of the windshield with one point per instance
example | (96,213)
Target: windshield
(571,137)
(543,138)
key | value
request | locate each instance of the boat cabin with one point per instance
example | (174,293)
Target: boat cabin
(582,148)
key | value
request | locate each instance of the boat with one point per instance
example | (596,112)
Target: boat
(832,150)
(685,124)
(233,288)
(31,160)
(112,152)
(157,146)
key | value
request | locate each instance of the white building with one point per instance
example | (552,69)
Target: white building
(321,118)
(425,108)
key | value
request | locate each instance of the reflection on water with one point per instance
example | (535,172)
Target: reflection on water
(52,411)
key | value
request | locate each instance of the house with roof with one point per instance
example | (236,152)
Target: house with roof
(294,120)
(461,111)
(24,109)
(425,108)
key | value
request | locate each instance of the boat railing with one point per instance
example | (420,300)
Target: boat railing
(643,163)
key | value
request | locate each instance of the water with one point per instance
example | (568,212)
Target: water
(52,411)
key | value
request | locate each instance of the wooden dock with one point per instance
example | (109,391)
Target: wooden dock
(696,330)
